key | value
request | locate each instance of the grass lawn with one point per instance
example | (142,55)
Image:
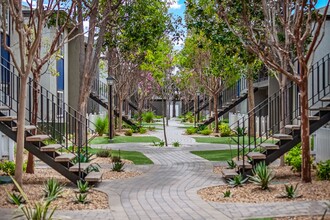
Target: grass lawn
(224,140)
(216,155)
(137,158)
(125,139)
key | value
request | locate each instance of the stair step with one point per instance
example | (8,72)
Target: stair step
(3,108)
(38,137)
(83,167)
(51,148)
(256,156)
(229,173)
(324,108)
(325,99)
(26,128)
(239,164)
(65,157)
(269,146)
(282,136)
(292,127)
(94,176)
(311,118)
(8,118)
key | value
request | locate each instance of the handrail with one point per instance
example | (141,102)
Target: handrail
(319,88)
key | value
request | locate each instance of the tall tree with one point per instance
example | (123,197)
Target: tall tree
(260,26)
(30,32)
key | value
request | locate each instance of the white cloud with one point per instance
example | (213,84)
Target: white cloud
(175,5)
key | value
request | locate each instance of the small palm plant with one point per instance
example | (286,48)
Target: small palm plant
(262,175)
(237,181)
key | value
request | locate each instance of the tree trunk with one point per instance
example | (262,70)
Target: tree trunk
(306,165)
(215,109)
(173,110)
(20,130)
(164,127)
(120,106)
(251,103)
(194,111)
(210,110)
(168,111)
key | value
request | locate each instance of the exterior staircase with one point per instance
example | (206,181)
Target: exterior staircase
(56,139)
(282,130)
(100,95)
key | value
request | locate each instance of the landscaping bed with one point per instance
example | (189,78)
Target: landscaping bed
(251,193)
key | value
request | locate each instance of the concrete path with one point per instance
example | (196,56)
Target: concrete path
(168,189)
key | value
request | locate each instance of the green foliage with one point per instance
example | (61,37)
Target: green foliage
(290,192)
(293,158)
(151,128)
(240,131)
(103,153)
(81,198)
(224,130)
(35,211)
(262,175)
(118,166)
(191,130)
(148,117)
(142,130)
(188,117)
(128,132)
(161,143)
(237,181)
(82,186)
(323,170)
(176,144)
(93,167)
(52,189)
(101,125)
(226,194)
(83,157)
(206,132)
(15,198)
(231,164)
(8,167)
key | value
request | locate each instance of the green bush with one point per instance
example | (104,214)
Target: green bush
(224,130)
(142,130)
(206,132)
(128,132)
(176,144)
(151,128)
(8,167)
(104,153)
(101,125)
(262,175)
(293,158)
(323,170)
(189,117)
(148,117)
(191,130)
(53,189)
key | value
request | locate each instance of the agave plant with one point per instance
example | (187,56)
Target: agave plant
(52,189)
(83,186)
(15,198)
(237,181)
(226,194)
(262,175)
(81,198)
(290,192)
(231,164)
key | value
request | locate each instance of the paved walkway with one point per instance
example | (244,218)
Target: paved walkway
(168,190)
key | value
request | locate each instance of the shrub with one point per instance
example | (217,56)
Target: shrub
(15,198)
(226,194)
(52,189)
(128,132)
(151,128)
(262,175)
(161,143)
(101,125)
(176,144)
(191,130)
(237,181)
(231,164)
(142,130)
(81,198)
(104,153)
(206,132)
(224,130)
(240,131)
(148,116)
(8,167)
(82,187)
(293,158)
(323,170)
(189,117)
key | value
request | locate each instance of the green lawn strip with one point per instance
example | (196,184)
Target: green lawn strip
(137,158)
(226,140)
(151,124)
(216,155)
(125,139)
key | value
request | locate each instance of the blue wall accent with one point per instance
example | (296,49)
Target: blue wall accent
(5,61)
(60,78)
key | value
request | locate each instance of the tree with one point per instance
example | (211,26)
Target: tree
(29,33)
(301,24)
